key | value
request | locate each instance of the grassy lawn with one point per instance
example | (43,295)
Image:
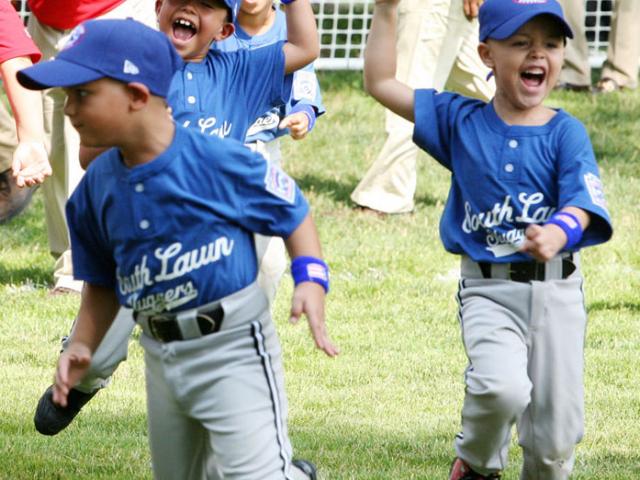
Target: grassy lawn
(388,407)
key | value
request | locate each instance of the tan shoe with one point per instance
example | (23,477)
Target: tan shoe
(607,85)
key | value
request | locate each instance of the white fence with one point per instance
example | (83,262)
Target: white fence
(343,27)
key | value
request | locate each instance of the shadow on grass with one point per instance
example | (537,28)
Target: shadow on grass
(25,275)
(340,191)
(608,306)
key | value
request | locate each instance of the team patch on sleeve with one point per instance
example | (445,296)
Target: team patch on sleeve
(594,187)
(304,85)
(279,183)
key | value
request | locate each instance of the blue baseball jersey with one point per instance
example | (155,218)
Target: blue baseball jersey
(222,95)
(177,232)
(504,178)
(305,88)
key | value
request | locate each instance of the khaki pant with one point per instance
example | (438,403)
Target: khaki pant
(8,138)
(624,45)
(436,46)
(63,141)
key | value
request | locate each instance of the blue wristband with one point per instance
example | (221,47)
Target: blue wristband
(308,110)
(287,2)
(310,269)
(570,225)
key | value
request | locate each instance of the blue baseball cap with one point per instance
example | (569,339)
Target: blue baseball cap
(499,19)
(125,50)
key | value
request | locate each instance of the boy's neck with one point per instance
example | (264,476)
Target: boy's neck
(257,24)
(152,137)
(526,117)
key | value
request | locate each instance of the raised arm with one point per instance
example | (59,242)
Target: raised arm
(30,160)
(308,296)
(302,45)
(380,62)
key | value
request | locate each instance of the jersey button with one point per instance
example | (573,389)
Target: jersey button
(144,224)
(191,99)
(139,187)
(513,143)
(508,167)
(189,76)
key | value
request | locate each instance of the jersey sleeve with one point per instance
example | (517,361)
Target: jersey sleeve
(433,117)
(306,90)
(263,79)
(14,40)
(579,183)
(93,260)
(264,198)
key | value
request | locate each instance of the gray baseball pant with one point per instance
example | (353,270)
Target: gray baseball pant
(216,404)
(525,344)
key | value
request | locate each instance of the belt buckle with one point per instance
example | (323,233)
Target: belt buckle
(154,330)
(209,322)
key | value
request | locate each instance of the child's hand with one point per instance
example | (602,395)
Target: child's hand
(297,123)
(72,366)
(30,164)
(308,298)
(543,242)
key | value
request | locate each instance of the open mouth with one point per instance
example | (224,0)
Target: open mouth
(533,77)
(184,29)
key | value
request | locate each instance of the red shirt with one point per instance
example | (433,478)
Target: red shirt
(66,14)
(14,40)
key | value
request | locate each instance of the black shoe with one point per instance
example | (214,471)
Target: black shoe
(308,468)
(51,418)
(13,199)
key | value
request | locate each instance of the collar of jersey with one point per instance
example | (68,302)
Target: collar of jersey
(150,169)
(499,126)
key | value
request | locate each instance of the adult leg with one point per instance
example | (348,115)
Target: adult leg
(390,183)
(623,52)
(576,71)
(13,199)
(553,423)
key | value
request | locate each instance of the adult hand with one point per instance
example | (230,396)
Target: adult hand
(471,8)
(30,164)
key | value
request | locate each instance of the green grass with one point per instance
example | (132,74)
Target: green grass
(388,407)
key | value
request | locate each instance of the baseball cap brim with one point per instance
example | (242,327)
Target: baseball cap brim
(56,73)
(513,25)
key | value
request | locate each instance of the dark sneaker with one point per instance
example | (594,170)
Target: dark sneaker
(307,467)
(51,418)
(462,471)
(13,199)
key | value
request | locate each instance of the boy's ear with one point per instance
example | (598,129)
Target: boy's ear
(486,55)
(225,32)
(158,7)
(139,94)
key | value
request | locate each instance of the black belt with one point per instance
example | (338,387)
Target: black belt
(165,327)
(529,271)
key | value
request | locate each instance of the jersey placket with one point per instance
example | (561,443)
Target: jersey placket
(511,159)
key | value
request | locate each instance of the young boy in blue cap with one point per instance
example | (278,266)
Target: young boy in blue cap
(525,196)
(217,94)
(163,224)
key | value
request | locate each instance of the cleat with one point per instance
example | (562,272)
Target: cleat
(461,471)
(51,419)
(308,468)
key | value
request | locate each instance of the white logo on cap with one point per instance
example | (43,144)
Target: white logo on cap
(130,68)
